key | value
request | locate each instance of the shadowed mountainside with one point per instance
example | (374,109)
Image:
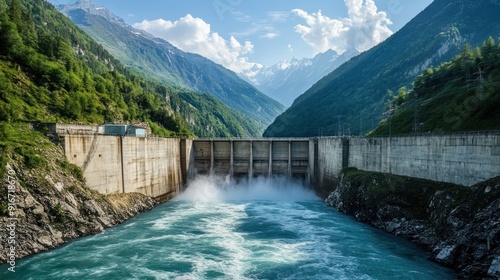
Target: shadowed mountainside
(353,97)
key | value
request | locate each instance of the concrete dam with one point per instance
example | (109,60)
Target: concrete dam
(162,167)
(252,158)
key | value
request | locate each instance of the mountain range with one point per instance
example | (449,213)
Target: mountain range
(352,98)
(161,61)
(286,80)
(52,71)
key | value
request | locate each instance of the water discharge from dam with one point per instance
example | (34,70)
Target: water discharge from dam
(262,229)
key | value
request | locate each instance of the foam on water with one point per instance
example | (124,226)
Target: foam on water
(215,189)
(259,229)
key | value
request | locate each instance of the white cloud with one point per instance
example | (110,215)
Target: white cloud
(240,16)
(258,27)
(269,35)
(290,47)
(264,27)
(194,35)
(364,28)
(277,16)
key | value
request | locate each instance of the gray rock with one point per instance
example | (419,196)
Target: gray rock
(96,209)
(38,210)
(392,226)
(45,240)
(494,269)
(446,254)
(29,201)
(68,209)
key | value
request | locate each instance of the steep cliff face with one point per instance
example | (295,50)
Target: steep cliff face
(44,201)
(459,226)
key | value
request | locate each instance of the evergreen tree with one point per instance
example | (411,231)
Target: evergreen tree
(10,41)
(488,52)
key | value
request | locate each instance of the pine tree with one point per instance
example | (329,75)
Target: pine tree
(10,41)
(488,52)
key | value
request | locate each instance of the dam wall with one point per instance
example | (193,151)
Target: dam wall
(161,167)
(253,157)
(328,163)
(100,159)
(152,166)
(464,159)
(115,164)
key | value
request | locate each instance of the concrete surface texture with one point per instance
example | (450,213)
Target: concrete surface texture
(114,164)
(250,158)
(460,159)
(161,166)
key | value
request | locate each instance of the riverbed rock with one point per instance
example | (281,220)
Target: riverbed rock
(45,240)
(494,269)
(38,210)
(458,226)
(445,255)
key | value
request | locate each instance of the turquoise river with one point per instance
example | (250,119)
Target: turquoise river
(265,229)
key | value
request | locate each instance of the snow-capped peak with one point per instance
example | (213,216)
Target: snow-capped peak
(286,80)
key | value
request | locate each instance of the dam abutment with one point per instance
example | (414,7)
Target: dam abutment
(157,167)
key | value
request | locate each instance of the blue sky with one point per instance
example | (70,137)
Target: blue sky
(241,34)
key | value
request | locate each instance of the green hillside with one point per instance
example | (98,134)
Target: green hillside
(160,60)
(51,71)
(459,95)
(353,97)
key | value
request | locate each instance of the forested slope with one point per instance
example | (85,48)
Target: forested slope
(51,71)
(459,95)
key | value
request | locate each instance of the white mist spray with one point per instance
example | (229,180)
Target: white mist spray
(212,188)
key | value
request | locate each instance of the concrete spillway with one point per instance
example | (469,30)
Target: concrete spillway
(252,158)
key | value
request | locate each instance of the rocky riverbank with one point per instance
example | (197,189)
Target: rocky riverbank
(459,226)
(44,201)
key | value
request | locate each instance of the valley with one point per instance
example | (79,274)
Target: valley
(101,121)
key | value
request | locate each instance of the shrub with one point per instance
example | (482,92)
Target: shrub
(59,213)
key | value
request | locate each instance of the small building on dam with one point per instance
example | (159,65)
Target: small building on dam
(124,158)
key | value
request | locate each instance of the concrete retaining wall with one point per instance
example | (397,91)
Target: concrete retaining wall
(262,158)
(460,159)
(100,159)
(111,164)
(328,164)
(152,166)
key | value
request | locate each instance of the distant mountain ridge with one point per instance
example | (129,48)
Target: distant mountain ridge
(160,60)
(352,98)
(88,6)
(286,80)
(52,71)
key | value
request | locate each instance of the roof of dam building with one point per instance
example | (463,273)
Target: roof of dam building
(124,130)
(134,130)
